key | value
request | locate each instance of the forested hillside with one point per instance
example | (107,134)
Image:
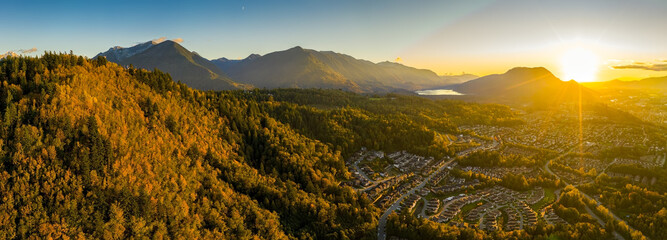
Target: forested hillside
(392,122)
(90,149)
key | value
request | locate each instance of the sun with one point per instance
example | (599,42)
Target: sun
(579,64)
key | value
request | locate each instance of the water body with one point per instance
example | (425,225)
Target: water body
(439,92)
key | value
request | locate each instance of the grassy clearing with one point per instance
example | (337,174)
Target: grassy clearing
(549,197)
(465,209)
(418,208)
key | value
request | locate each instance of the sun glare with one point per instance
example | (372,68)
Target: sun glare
(579,64)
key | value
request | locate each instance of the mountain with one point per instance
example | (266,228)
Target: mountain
(182,64)
(226,64)
(306,68)
(457,79)
(117,54)
(647,83)
(521,83)
(118,153)
(401,76)
(292,68)
(9,54)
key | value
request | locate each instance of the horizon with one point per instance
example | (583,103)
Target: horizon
(447,37)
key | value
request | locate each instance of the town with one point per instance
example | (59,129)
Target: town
(444,191)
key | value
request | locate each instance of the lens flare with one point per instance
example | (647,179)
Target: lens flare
(579,64)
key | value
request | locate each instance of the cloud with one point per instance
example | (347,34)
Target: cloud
(643,66)
(159,40)
(32,50)
(177,40)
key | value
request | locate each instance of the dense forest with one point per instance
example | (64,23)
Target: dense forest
(89,149)
(641,207)
(347,121)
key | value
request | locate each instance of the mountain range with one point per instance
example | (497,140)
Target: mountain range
(292,68)
(651,83)
(306,68)
(182,64)
(298,67)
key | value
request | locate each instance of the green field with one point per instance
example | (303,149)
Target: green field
(549,197)
(418,208)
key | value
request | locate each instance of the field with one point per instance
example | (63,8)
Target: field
(549,197)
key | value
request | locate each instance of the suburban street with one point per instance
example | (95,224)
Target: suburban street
(362,173)
(600,221)
(383,219)
(395,205)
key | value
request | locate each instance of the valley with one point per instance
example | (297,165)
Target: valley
(350,120)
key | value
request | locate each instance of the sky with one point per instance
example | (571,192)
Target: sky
(626,38)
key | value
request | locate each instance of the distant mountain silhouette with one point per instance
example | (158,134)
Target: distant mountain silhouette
(525,84)
(304,68)
(292,68)
(226,64)
(117,54)
(183,65)
(457,79)
(647,83)
(8,54)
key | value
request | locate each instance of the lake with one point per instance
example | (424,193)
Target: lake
(436,92)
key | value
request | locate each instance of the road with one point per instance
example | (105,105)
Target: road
(481,217)
(546,165)
(442,209)
(616,234)
(382,235)
(383,219)
(449,140)
(375,183)
(610,212)
(609,165)
(520,216)
(422,213)
(362,173)
(602,223)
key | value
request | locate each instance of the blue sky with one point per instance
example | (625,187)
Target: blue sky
(478,36)
(225,28)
